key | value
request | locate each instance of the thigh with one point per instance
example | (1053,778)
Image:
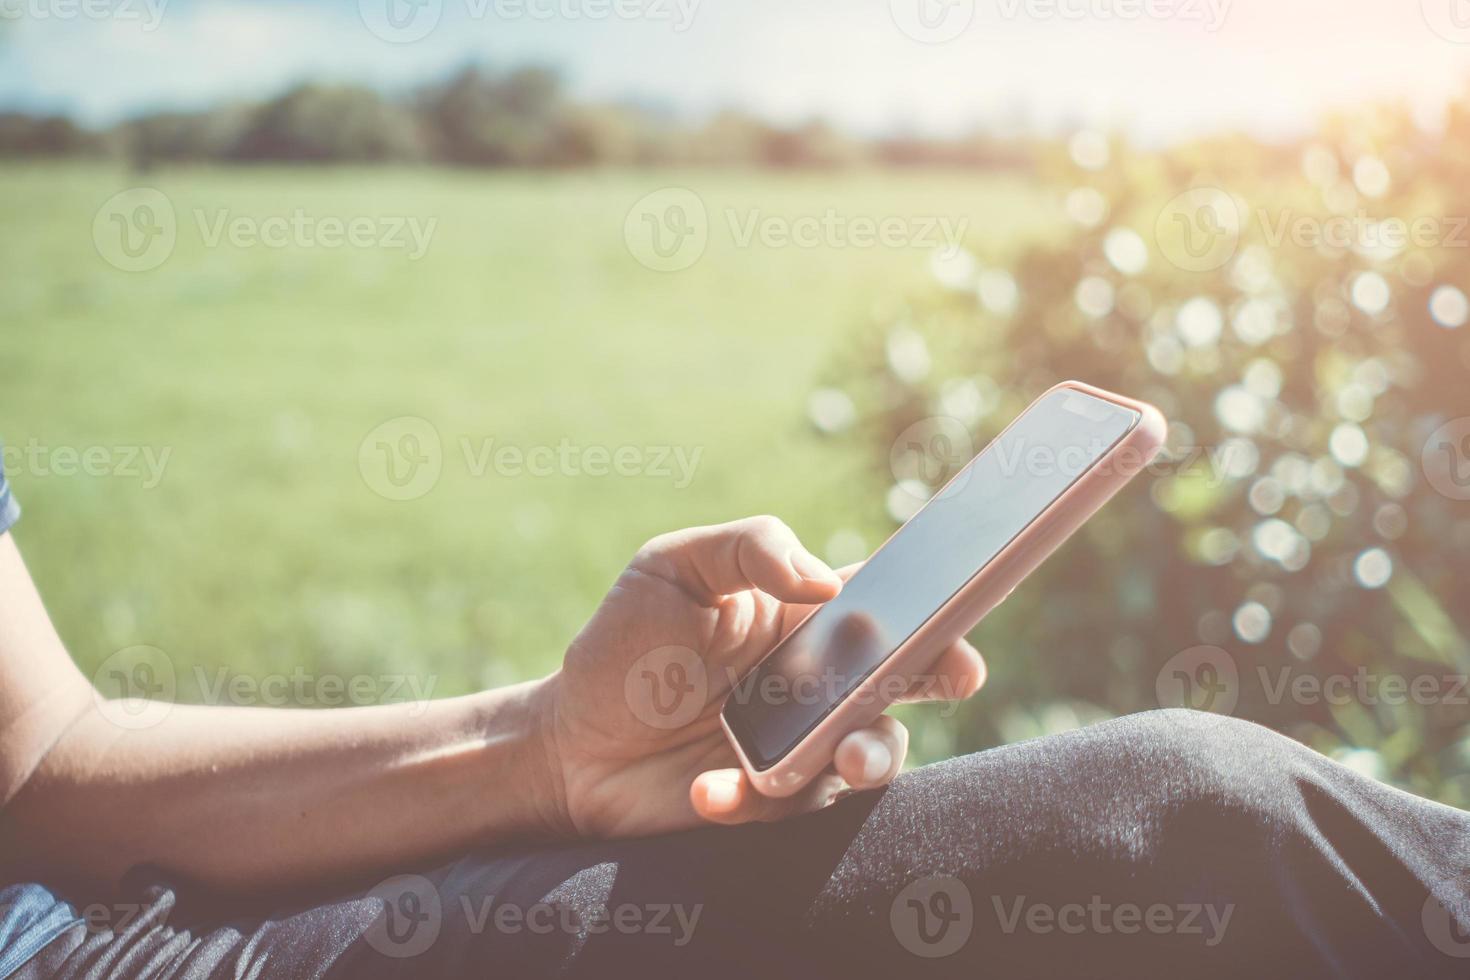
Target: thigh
(1164,843)
(714,902)
(717,901)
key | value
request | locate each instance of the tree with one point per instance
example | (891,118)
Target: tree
(331,123)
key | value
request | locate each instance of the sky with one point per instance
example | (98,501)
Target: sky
(1157,69)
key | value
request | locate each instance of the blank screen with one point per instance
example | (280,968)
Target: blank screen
(927,562)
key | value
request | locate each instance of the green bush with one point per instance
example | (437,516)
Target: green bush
(1295,522)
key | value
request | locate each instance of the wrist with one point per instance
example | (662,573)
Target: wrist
(522,718)
(548,773)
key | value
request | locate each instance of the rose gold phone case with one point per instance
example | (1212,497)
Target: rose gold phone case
(813,754)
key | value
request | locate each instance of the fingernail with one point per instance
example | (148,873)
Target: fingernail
(720,793)
(812,568)
(877,760)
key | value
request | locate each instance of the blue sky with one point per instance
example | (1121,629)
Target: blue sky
(1158,68)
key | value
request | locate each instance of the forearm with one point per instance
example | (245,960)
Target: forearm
(244,798)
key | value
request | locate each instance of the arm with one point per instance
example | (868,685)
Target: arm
(243,798)
(240,797)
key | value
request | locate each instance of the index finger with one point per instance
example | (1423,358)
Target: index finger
(722,559)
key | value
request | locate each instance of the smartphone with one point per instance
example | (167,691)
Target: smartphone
(938,575)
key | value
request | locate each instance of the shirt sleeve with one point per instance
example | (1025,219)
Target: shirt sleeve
(9,507)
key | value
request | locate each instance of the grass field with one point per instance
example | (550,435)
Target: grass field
(261,370)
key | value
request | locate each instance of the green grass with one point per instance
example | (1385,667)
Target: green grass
(262,370)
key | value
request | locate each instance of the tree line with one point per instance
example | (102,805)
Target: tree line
(480,118)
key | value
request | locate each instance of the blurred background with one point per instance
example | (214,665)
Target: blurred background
(369,340)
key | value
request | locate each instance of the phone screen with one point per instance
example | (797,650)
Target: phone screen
(956,534)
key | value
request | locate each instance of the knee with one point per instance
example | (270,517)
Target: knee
(1162,770)
(1197,741)
(1183,790)
(1182,770)
(1206,749)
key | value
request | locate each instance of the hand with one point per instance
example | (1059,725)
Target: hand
(630,758)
